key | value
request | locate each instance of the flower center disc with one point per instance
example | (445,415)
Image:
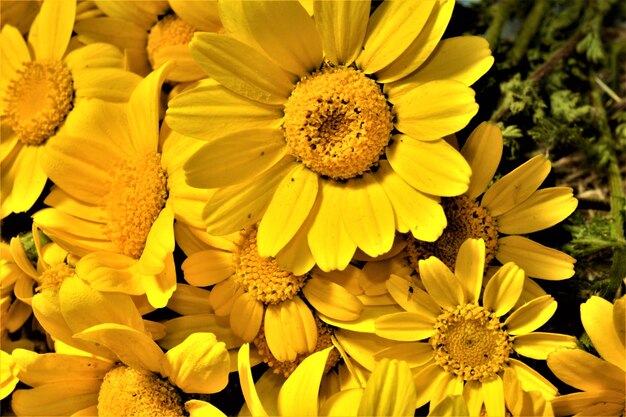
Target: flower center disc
(127,392)
(38,100)
(169,31)
(470,342)
(337,122)
(138,193)
(261,277)
(466,219)
(54,277)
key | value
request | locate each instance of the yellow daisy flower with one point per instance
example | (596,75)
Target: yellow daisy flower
(118,193)
(332,138)
(41,84)
(603,382)
(266,305)
(513,205)
(139,379)
(470,345)
(389,391)
(153,32)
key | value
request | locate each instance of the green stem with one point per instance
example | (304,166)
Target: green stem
(617,272)
(499,14)
(528,31)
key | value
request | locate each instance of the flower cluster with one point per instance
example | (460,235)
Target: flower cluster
(219,184)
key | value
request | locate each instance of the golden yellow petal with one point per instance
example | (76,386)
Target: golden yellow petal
(290,329)
(426,381)
(584,371)
(190,300)
(246,317)
(332,299)
(95,55)
(493,395)
(405,327)
(531,315)
(536,260)
(473,396)
(203,16)
(208,267)
(56,399)
(441,283)
(539,345)
(223,295)
(619,307)
(390,390)
(365,322)
(296,256)
(178,329)
(597,317)
(197,408)
(361,347)
(412,298)
(469,268)
(504,289)
(414,353)
(247,383)
(483,151)
(51,31)
(532,380)
(14,53)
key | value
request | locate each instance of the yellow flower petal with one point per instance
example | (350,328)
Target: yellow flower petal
(619,312)
(448,386)
(62,201)
(159,243)
(483,151)
(50,33)
(584,371)
(452,406)
(536,260)
(597,317)
(198,365)
(226,59)
(205,18)
(493,394)
(232,208)
(414,353)
(543,209)
(291,40)
(8,373)
(95,55)
(14,53)
(178,329)
(596,403)
(469,268)
(27,178)
(290,329)
(190,300)
(531,315)
(223,295)
(473,395)
(114,85)
(426,380)
(299,393)
(208,267)
(332,299)
(416,212)
(288,209)
(247,383)
(405,327)
(421,48)
(392,23)
(516,186)
(462,58)
(329,241)
(106,271)
(56,399)
(412,298)
(197,408)
(435,109)
(342,27)
(208,109)
(390,390)
(134,348)
(433,167)
(539,345)
(368,215)
(246,317)
(341,404)
(185,68)
(122,33)
(361,347)
(441,283)
(504,289)
(235,158)
(296,256)
(532,380)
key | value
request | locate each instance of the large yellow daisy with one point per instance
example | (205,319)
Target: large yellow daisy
(153,32)
(327,129)
(117,194)
(41,84)
(513,205)
(470,346)
(603,382)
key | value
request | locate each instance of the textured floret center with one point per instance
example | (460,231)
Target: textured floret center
(169,31)
(53,277)
(136,196)
(128,392)
(262,277)
(470,342)
(337,122)
(38,99)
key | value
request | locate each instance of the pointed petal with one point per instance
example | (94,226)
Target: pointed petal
(369,215)
(190,300)
(473,395)
(504,289)
(536,260)
(441,283)
(516,186)
(414,211)
(493,394)
(288,209)
(531,315)
(414,353)
(226,60)
(435,109)
(543,209)
(208,109)
(52,29)
(595,403)
(198,365)
(483,151)
(597,317)
(538,345)
(584,371)
(14,53)
(342,27)
(235,158)
(160,243)
(405,327)
(469,268)
(332,299)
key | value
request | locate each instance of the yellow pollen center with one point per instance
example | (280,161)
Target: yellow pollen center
(261,277)
(137,194)
(130,393)
(169,31)
(337,122)
(466,219)
(38,100)
(324,340)
(53,277)
(470,342)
